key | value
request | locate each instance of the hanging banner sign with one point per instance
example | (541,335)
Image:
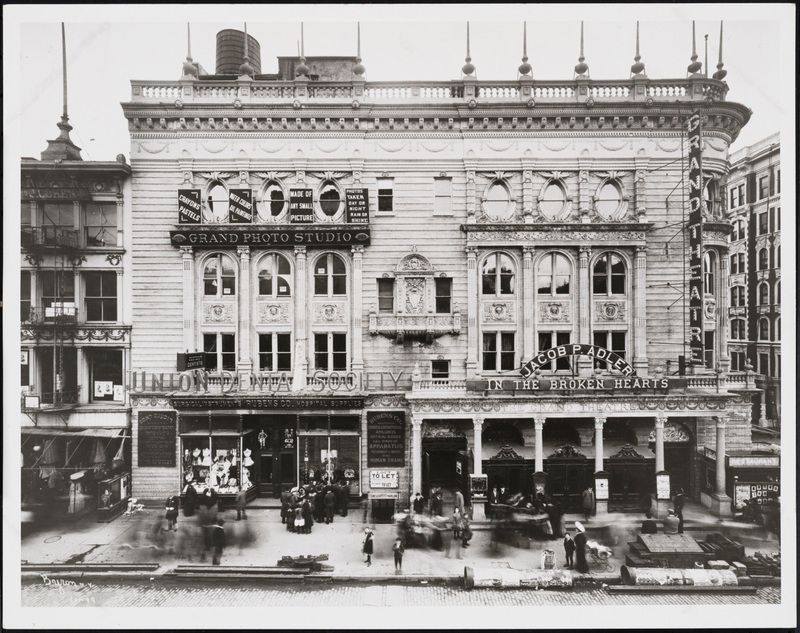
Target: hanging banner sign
(545,357)
(357,205)
(695,228)
(301,206)
(189,208)
(240,206)
(632,384)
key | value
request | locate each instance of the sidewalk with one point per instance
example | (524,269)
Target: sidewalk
(126,540)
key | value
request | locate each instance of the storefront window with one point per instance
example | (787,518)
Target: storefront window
(105,374)
(211,454)
(329,457)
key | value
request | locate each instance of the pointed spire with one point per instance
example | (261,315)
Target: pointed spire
(695,66)
(62,148)
(301,70)
(705,63)
(638,65)
(524,67)
(246,69)
(581,67)
(721,72)
(358,69)
(189,68)
(468,68)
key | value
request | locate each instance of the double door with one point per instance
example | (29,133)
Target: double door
(566,481)
(277,471)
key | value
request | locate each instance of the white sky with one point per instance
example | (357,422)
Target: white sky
(104,55)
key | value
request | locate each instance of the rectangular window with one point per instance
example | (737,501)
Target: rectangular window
(440,369)
(763,187)
(24,366)
(777,180)
(763,223)
(763,364)
(58,374)
(740,188)
(740,257)
(777,370)
(25,296)
(734,199)
(386,295)
(228,352)
(548,340)
(612,341)
(101,296)
(489,351)
(105,375)
(26,232)
(220,351)
(777,218)
(386,195)
(57,292)
(330,351)
(442,196)
(275,352)
(734,268)
(58,214)
(709,349)
(498,351)
(100,224)
(444,291)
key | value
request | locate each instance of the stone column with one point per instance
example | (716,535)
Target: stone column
(719,487)
(640,311)
(189,285)
(538,425)
(721,316)
(245,363)
(478,508)
(416,455)
(357,362)
(472,311)
(82,377)
(80,307)
(120,298)
(528,300)
(584,298)
(598,443)
(301,309)
(660,421)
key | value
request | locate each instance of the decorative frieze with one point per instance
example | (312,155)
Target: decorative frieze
(498,311)
(610,311)
(218,313)
(329,312)
(273,313)
(555,311)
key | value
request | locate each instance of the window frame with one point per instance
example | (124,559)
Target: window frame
(330,276)
(610,344)
(508,201)
(615,184)
(25,298)
(92,352)
(265,202)
(208,215)
(383,196)
(440,296)
(275,260)
(554,257)
(102,298)
(556,338)
(439,374)
(442,202)
(382,285)
(220,277)
(498,275)
(763,223)
(112,228)
(762,336)
(609,275)
(763,187)
(499,355)
(709,273)
(763,292)
(763,258)
(274,353)
(326,185)
(562,211)
(330,352)
(219,351)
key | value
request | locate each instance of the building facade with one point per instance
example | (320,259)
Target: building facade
(75,330)
(336,277)
(754,208)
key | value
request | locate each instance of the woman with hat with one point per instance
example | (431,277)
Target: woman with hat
(368,545)
(580,548)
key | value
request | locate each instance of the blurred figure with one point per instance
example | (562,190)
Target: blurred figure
(398,550)
(418,504)
(345,497)
(678,502)
(307,515)
(466,532)
(580,548)
(171,512)
(671,523)
(587,502)
(455,541)
(436,503)
(460,501)
(648,525)
(569,550)
(367,547)
(189,500)
(285,495)
(218,540)
(330,505)
(241,504)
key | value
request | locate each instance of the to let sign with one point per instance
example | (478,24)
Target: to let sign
(384,479)
(386,439)
(189,206)
(357,205)
(301,206)
(156,436)
(240,206)
(695,227)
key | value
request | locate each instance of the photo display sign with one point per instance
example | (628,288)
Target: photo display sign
(695,227)
(662,486)
(301,206)
(386,439)
(189,209)
(240,206)
(357,205)
(157,434)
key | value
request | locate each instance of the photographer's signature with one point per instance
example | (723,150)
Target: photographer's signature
(62,583)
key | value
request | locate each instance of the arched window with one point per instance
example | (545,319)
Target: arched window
(330,276)
(330,199)
(709,262)
(273,202)
(497,202)
(553,200)
(274,276)
(763,329)
(609,199)
(553,275)
(608,275)
(763,294)
(216,209)
(497,275)
(219,277)
(763,259)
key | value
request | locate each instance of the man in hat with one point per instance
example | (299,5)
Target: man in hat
(580,548)
(671,523)
(587,502)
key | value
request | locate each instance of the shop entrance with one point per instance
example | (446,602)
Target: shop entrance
(272,448)
(569,473)
(444,464)
(631,478)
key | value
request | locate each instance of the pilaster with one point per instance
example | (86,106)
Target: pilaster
(357,364)
(472,311)
(245,363)
(189,285)
(300,360)
(528,303)
(639,293)
(584,309)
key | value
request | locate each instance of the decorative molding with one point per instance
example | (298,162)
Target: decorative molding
(506,453)
(218,313)
(627,452)
(114,259)
(385,401)
(94,334)
(555,236)
(329,313)
(567,451)
(710,308)
(443,430)
(554,311)
(414,263)
(610,311)
(498,311)
(414,292)
(150,401)
(34,260)
(673,432)
(273,313)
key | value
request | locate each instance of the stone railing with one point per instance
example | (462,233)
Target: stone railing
(438,384)
(469,91)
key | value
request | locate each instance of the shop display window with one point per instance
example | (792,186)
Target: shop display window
(212,455)
(329,457)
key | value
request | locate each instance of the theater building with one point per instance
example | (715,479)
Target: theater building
(417,284)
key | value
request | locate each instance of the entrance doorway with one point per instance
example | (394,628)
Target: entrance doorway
(631,477)
(569,473)
(273,447)
(445,464)
(679,456)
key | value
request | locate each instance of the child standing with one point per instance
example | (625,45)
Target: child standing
(398,550)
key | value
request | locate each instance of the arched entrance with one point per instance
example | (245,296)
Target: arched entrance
(631,476)
(445,460)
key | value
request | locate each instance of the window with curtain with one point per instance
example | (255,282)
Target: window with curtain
(763,259)
(546,340)
(216,207)
(763,294)
(275,351)
(219,277)
(709,263)
(763,329)
(498,351)
(274,276)
(497,275)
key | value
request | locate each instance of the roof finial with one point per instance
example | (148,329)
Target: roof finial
(189,69)
(720,74)
(581,67)
(525,67)
(302,70)
(638,66)
(64,115)
(62,148)
(358,69)
(695,66)
(246,70)
(468,68)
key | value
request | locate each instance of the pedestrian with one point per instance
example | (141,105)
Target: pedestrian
(299,523)
(398,550)
(218,540)
(189,500)
(678,503)
(345,497)
(285,495)
(580,548)
(587,502)
(172,513)
(308,518)
(330,505)
(367,547)
(436,504)
(557,521)
(466,531)
(671,522)
(458,527)
(569,550)
(460,501)
(241,505)
(648,525)
(418,504)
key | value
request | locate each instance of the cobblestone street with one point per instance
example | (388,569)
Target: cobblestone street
(177,594)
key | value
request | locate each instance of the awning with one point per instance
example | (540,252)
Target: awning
(76,433)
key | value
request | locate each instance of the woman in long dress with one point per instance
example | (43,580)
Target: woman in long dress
(580,549)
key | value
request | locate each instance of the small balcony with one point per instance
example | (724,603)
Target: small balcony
(57,313)
(49,238)
(51,400)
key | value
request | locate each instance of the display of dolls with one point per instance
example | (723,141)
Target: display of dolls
(248,460)
(207,457)
(196,461)
(245,478)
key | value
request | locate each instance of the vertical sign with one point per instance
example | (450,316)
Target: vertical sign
(357,205)
(386,439)
(188,206)
(695,228)
(301,206)
(240,206)
(157,435)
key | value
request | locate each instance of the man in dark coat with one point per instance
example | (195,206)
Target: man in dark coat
(418,504)
(189,500)
(340,500)
(648,525)
(436,504)
(308,518)
(580,549)
(241,504)
(218,540)
(330,505)
(345,497)
(569,550)
(367,547)
(587,502)
(285,505)
(678,503)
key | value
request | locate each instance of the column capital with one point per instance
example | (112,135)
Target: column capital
(538,423)
(477,423)
(300,251)
(416,423)
(599,422)
(471,251)
(721,421)
(527,251)
(187,251)
(660,422)
(357,250)
(641,252)
(243,251)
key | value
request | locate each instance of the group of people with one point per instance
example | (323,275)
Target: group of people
(303,505)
